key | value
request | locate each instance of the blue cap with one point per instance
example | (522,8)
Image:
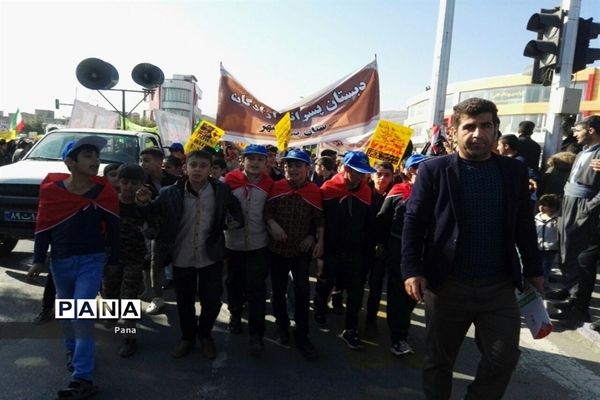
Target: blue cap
(415,160)
(96,141)
(176,146)
(255,149)
(297,154)
(358,161)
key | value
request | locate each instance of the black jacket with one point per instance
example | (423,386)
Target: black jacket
(530,151)
(169,205)
(349,226)
(432,222)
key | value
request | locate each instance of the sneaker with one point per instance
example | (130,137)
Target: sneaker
(350,337)
(78,389)
(46,315)
(256,346)
(69,361)
(401,347)
(208,348)
(564,305)
(320,318)
(307,349)
(155,306)
(371,330)
(128,348)
(571,319)
(182,349)
(235,324)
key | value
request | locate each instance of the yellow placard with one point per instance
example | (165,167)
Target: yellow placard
(389,142)
(283,131)
(205,134)
(8,135)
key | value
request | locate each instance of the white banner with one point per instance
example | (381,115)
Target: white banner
(85,115)
(172,127)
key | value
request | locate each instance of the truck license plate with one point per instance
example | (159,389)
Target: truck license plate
(19,216)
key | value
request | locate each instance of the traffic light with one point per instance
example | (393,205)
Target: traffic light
(586,31)
(546,49)
(56,104)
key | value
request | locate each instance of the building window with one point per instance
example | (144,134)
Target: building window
(510,123)
(418,112)
(176,95)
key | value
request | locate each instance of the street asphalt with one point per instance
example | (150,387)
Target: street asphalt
(566,365)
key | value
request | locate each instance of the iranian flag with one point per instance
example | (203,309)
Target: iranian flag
(16,122)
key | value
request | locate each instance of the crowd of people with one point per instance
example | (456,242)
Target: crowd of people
(457,231)
(13,150)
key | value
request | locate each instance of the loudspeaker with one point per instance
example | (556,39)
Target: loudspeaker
(147,75)
(96,74)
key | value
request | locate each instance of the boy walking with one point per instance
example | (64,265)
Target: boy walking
(151,160)
(247,247)
(349,223)
(78,217)
(124,280)
(293,211)
(193,213)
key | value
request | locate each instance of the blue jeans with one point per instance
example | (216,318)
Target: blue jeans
(79,277)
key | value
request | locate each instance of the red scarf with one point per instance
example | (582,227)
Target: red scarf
(309,192)
(236,179)
(401,189)
(336,188)
(57,204)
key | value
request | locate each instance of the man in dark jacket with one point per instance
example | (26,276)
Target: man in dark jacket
(579,230)
(528,148)
(468,214)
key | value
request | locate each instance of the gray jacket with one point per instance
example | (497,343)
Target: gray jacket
(588,177)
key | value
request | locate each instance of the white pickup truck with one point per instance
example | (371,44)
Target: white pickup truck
(20,182)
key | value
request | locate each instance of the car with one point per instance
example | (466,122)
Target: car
(20,182)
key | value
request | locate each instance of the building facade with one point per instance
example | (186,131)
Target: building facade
(179,95)
(517,100)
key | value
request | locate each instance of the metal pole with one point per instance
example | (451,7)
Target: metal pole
(560,93)
(123,113)
(441,61)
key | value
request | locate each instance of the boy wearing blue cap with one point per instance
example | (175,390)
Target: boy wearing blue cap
(176,150)
(247,246)
(349,222)
(78,217)
(293,212)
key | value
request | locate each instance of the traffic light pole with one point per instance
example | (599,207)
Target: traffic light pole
(563,99)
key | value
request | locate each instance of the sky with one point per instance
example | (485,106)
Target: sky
(280,50)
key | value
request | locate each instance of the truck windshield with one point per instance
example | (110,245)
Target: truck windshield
(118,149)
